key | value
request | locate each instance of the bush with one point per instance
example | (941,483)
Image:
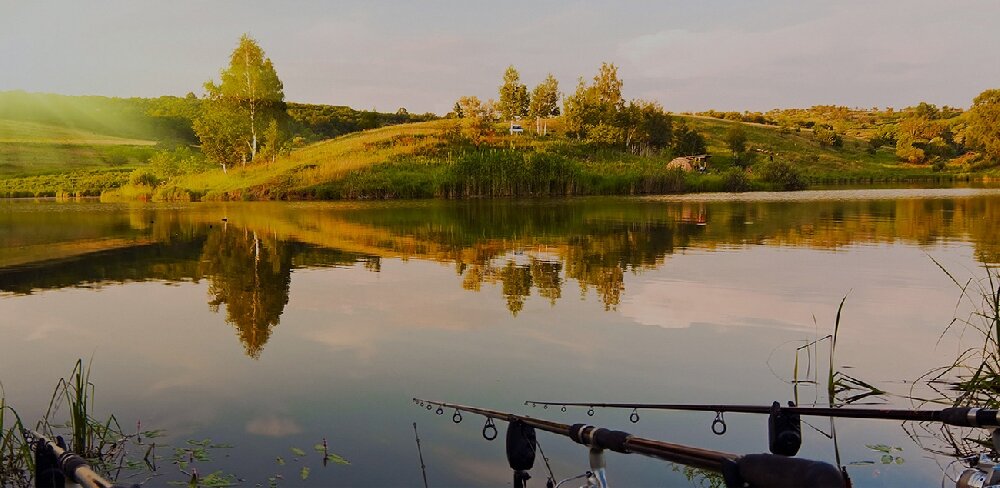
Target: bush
(735,180)
(173,194)
(181,161)
(826,136)
(143,177)
(781,175)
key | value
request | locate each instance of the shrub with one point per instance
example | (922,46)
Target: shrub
(143,177)
(735,180)
(781,175)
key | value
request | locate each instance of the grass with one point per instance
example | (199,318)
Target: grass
(119,455)
(433,159)
(31,148)
(849,163)
(19,131)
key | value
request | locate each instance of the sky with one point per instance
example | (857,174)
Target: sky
(423,55)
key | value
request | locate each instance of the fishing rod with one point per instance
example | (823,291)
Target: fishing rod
(53,462)
(957,416)
(785,431)
(753,470)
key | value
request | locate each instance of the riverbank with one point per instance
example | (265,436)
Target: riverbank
(434,160)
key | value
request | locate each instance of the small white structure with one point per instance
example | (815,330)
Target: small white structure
(516,129)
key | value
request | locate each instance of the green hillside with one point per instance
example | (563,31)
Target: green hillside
(31,148)
(87,144)
(430,159)
(851,161)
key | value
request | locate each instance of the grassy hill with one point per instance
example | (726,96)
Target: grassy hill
(429,159)
(852,161)
(31,148)
(51,144)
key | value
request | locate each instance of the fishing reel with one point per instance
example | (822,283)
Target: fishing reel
(984,473)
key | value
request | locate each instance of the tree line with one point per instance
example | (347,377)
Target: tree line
(920,134)
(596,113)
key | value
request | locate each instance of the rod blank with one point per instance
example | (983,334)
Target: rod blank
(957,416)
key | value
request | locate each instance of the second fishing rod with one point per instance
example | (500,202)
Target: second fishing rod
(957,416)
(784,424)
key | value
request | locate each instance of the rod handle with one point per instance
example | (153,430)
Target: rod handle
(772,471)
(970,417)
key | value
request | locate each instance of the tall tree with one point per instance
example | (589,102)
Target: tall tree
(645,126)
(609,88)
(544,101)
(687,141)
(736,139)
(596,106)
(984,123)
(513,96)
(240,108)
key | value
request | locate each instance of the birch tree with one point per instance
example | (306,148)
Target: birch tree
(513,96)
(545,102)
(248,98)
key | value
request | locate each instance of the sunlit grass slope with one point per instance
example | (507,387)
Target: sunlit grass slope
(19,131)
(799,148)
(432,159)
(324,161)
(31,148)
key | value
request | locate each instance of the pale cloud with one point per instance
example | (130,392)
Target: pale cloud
(273,426)
(424,55)
(856,54)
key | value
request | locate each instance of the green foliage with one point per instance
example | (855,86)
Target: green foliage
(781,175)
(180,161)
(644,127)
(598,114)
(605,134)
(735,180)
(477,123)
(687,141)
(511,173)
(736,139)
(984,124)
(513,102)
(143,177)
(160,119)
(317,122)
(596,104)
(826,136)
(82,183)
(239,109)
(545,98)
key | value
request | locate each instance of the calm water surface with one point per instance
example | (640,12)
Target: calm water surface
(273,325)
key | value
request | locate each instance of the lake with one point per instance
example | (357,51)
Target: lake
(271,326)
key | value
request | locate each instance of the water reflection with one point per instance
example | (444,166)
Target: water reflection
(250,275)
(248,252)
(702,293)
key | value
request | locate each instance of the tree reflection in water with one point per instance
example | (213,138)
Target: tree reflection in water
(251,275)
(519,248)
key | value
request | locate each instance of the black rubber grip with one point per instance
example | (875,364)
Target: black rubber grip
(589,435)
(772,471)
(610,439)
(69,463)
(982,417)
